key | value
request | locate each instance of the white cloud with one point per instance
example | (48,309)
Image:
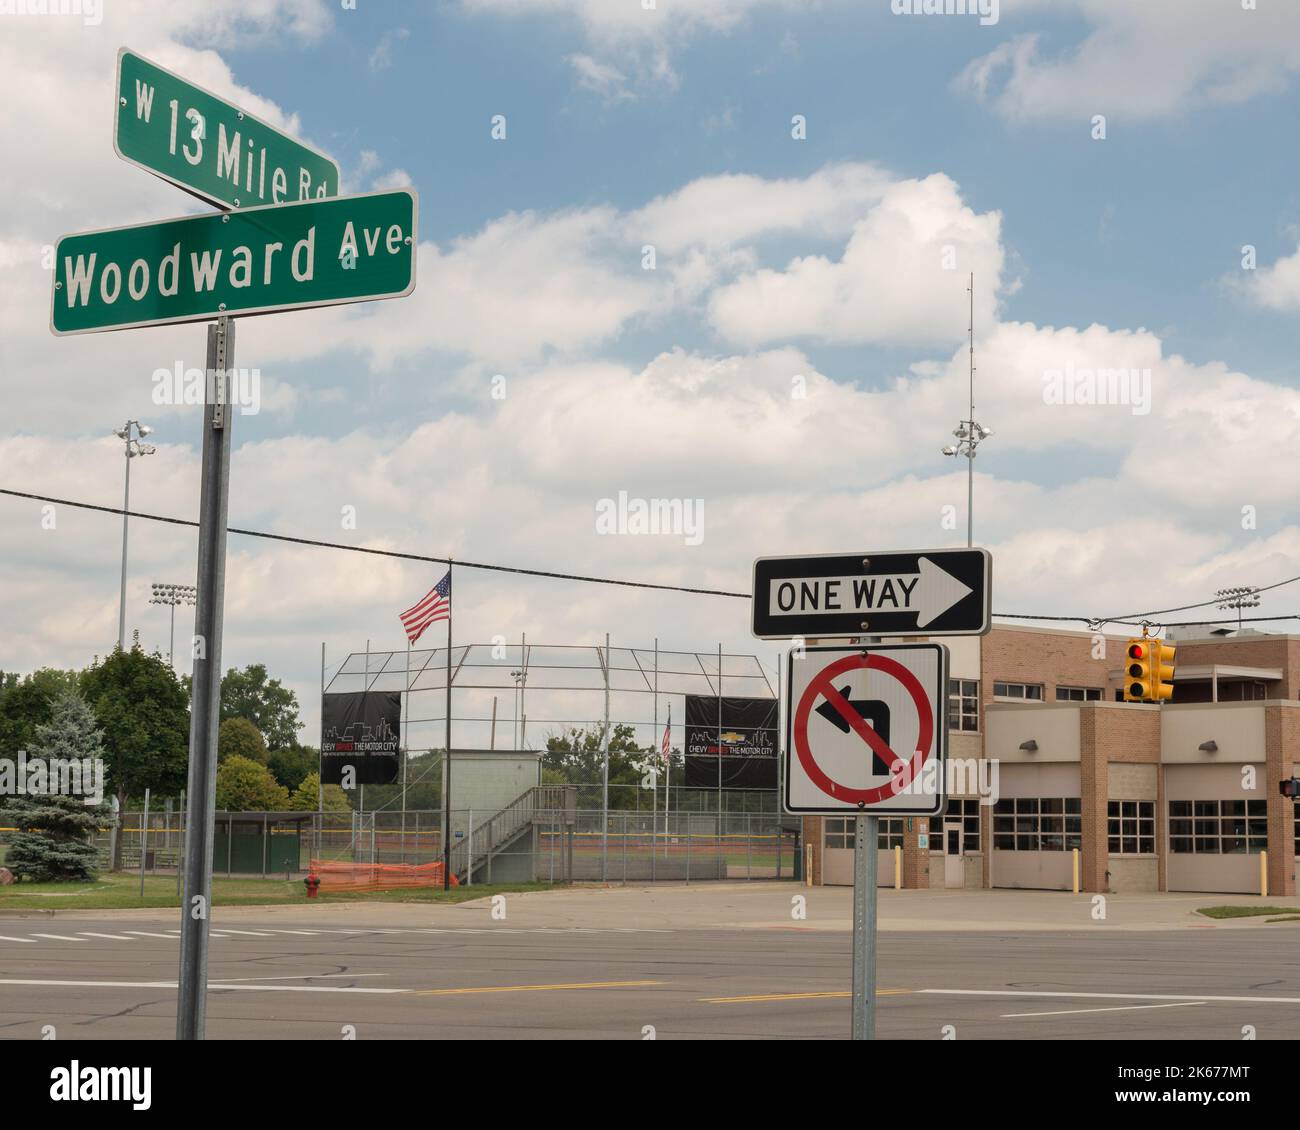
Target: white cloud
(602,79)
(1276,287)
(1139,60)
(643,34)
(902,277)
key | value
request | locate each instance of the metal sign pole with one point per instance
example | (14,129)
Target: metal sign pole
(214,498)
(865,865)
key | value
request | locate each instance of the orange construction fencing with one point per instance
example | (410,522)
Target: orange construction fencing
(336,876)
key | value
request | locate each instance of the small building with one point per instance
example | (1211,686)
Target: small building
(259,843)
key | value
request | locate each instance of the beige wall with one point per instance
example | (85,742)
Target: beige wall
(1237,729)
(1054,728)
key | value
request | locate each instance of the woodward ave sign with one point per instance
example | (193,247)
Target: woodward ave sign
(254,261)
(942,592)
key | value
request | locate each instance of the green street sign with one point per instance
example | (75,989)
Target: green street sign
(254,261)
(217,151)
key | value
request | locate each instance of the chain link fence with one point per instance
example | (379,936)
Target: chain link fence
(557,845)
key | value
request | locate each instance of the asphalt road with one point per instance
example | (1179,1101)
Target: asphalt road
(284,978)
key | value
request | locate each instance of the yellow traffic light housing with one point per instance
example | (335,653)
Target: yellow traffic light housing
(1137,671)
(1148,671)
(1162,670)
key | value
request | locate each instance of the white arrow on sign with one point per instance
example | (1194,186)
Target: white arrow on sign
(929,592)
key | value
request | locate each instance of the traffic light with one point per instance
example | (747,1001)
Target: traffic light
(1162,670)
(1291,788)
(1148,671)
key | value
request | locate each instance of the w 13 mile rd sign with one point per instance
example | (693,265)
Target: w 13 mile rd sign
(220,153)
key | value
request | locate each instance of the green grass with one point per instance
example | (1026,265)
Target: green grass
(1292,918)
(122,891)
(1245,911)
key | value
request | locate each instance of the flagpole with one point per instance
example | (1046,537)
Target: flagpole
(654,737)
(406,743)
(446,758)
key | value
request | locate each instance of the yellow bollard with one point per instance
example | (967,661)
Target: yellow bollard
(1263,874)
(898,868)
(1075,864)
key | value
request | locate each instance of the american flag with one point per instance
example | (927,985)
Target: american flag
(435,606)
(663,746)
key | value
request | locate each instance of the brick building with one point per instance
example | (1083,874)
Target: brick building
(1178,797)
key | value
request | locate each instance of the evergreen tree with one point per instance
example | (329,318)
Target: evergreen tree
(53,841)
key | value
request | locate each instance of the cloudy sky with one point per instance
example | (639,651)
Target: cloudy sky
(817,179)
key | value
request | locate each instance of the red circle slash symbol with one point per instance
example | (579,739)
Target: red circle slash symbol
(822,686)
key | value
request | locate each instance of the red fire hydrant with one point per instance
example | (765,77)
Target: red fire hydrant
(312,883)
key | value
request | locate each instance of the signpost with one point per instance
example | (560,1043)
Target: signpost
(201,143)
(254,261)
(866,732)
(867,726)
(939,592)
(298,245)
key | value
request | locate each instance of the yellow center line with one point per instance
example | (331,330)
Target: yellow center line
(793,997)
(534,988)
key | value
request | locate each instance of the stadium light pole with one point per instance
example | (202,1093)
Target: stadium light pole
(173,595)
(1243,596)
(970,434)
(131,434)
(519,676)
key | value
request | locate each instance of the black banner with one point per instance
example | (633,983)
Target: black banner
(361,729)
(746,738)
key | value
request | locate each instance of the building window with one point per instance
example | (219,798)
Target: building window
(1131,827)
(1038,824)
(965,812)
(1018,692)
(1078,694)
(1218,827)
(964,704)
(840,832)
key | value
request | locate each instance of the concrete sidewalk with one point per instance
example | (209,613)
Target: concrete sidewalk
(754,905)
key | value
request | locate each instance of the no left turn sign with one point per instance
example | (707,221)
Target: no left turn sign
(866,729)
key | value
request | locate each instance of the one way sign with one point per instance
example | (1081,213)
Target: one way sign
(940,592)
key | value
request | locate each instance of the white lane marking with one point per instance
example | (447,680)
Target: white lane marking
(150,934)
(1111,1008)
(295,977)
(309,933)
(1108,996)
(228,988)
(251,933)
(59,937)
(111,937)
(27,941)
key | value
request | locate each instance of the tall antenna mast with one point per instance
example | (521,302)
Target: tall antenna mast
(969,433)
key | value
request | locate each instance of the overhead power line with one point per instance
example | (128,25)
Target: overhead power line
(1131,618)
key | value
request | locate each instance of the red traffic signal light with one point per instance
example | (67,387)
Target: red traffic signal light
(1148,670)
